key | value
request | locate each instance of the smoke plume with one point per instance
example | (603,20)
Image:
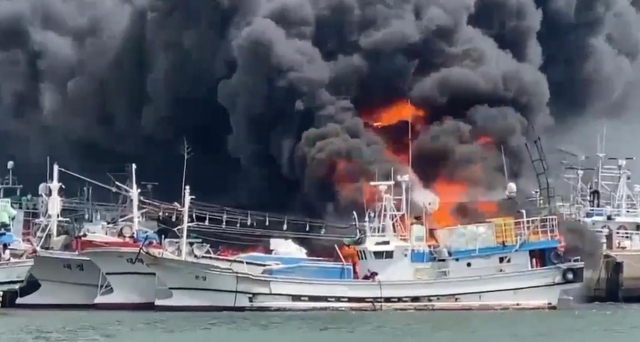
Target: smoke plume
(273,95)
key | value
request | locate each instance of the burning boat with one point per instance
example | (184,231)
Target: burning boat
(497,263)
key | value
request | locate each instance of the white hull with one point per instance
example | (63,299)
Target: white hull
(13,273)
(133,285)
(198,286)
(66,280)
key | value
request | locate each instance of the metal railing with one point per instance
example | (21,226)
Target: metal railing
(511,232)
(620,239)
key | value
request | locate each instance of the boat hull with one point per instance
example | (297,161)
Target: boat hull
(14,273)
(133,284)
(198,286)
(66,280)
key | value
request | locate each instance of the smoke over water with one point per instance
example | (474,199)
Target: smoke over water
(293,105)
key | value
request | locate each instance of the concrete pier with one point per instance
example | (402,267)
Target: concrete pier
(606,284)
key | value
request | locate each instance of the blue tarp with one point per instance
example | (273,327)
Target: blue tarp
(150,236)
(7,238)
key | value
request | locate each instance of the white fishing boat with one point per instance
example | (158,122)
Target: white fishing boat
(62,279)
(610,209)
(499,263)
(65,277)
(13,272)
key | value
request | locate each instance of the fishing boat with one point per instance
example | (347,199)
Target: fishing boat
(603,198)
(14,272)
(504,262)
(62,276)
(135,279)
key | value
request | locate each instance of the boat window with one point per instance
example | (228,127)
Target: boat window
(468,264)
(504,260)
(383,255)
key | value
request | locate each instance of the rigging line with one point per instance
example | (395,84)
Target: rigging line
(280,235)
(226,241)
(232,230)
(291,235)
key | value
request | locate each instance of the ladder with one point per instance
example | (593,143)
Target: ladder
(540,167)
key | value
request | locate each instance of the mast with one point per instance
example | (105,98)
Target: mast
(135,199)
(406,200)
(185,220)
(601,154)
(54,202)
(504,165)
(48,167)
(186,152)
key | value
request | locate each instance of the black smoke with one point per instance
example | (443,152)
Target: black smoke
(269,92)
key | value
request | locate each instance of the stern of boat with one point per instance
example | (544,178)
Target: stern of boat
(14,273)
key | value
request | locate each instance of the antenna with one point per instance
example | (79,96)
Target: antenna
(186,152)
(48,167)
(504,164)
(604,137)
(410,149)
(10,166)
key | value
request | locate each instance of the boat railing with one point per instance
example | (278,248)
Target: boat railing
(613,212)
(571,211)
(622,239)
(512,232)
(498,232)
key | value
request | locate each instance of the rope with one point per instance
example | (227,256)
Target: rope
(267,232)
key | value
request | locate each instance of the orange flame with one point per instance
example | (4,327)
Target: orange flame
(451,193)
(398,111)
(484,140)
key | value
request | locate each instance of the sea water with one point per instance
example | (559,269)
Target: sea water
(589,323)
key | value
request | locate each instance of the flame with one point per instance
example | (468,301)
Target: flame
(231,251)
(484,140)
(401,110)
(453,194)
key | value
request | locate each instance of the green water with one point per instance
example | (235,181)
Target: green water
(584,324)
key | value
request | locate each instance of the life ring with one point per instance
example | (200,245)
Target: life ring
(569,275)
(556,257)
(126,231)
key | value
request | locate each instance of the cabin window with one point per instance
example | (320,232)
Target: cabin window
(468,264)
(383,255)
(504,260)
